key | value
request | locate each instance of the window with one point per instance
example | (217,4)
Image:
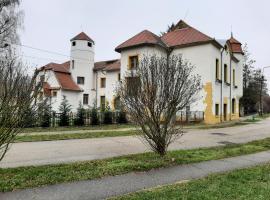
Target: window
(73,64)
(225,73)
(217,69)
(42,78)
(117,103)
(102,103)
(133,62)
(85,99)
(54,93)
(73,43)
(234,77)
(80,80)
(233,106)
(103,82)
(217,109)
(89,44)
(133,85)
(119,77)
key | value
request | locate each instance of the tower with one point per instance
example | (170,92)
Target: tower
(81,66)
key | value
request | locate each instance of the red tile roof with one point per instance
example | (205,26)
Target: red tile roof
(185,36)
(235,45)
(109,65)
(114,66)
(47,89)
(66,82)
(181,35)
(82,36)
(64,67)
(63,76)
(143,38)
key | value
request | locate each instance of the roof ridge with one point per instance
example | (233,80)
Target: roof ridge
(108,60)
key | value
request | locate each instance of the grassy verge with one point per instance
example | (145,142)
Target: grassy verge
(25,177)
(222,125)
(50,137)
(75,128)
(247,184)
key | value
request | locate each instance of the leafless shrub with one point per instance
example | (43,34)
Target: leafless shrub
(154,92)
(18,90)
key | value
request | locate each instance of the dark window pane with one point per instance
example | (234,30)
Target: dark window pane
(80,80)
(85,99)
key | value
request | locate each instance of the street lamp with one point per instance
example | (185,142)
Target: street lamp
(262,79)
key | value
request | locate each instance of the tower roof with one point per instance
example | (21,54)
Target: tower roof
(82,36)
(235,45)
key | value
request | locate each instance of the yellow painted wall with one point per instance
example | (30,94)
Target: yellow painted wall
(209,116)
(236,116)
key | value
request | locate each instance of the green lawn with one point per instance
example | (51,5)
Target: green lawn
(63,136)
(222,125)
(244,184)
(25,177)
(75,128)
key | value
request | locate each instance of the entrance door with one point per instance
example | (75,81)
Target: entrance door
(225,112)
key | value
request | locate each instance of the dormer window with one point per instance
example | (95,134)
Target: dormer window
(73,43)
(89,44)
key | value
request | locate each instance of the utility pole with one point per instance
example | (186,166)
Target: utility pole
(261,91)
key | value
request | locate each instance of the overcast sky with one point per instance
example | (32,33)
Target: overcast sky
(50,24)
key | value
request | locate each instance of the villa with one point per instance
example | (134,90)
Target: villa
(82,80)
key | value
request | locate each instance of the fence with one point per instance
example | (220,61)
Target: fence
(55,118)
(189,117)
(182,117)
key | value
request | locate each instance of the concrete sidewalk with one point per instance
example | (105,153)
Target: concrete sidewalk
(131,182)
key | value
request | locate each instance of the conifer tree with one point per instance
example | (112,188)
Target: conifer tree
(79,120)
(65,109)
(94,115)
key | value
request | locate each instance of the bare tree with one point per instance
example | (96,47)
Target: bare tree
(10,20)
(154,93)
(18,90)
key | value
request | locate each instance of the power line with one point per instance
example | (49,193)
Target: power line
(41,58)
(48,51)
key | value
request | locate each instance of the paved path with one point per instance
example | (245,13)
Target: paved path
(131,182)
(49,152)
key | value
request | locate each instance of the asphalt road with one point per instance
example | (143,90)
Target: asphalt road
(64,151)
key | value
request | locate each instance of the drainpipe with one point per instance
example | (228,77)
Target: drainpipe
(96,86)
(221,84)
(231,87)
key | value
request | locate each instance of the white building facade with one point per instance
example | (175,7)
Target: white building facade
(219,63)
